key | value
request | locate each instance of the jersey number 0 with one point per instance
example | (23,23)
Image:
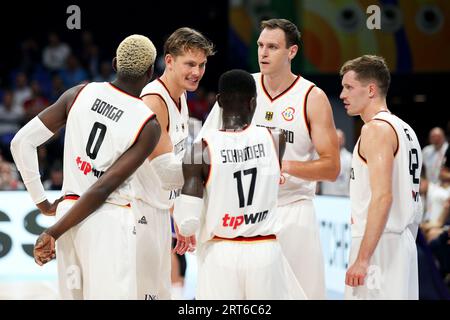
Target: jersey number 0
(92,152)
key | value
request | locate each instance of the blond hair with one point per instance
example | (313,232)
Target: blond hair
(135,55)
(186,39)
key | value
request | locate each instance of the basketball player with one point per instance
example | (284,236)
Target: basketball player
(108,128)
(239,177)
(302,110)
(384,189)
(185,53)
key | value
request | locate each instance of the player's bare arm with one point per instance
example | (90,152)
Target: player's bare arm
(54,117)
(324,138)
(107,183)
(378,145)
(189,205)
(34,134)
(195,170)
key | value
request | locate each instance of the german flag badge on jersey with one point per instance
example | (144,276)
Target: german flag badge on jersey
(269,115)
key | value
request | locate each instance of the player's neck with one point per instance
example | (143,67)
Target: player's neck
(278,82)
(131,89)
(376,106)
(234,122)
(175,90)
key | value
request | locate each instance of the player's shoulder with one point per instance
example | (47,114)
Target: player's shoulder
(151,87)
(256,76)
(376,130)
(305,82)
(315,92)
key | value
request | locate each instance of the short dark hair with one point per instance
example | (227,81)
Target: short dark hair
(236,85)
(184,39)
(370,67)
(290,30)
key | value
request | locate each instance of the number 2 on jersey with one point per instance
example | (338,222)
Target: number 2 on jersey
(238,176)
(414,164)
(96,127)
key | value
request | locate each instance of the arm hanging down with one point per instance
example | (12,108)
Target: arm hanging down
(189,205)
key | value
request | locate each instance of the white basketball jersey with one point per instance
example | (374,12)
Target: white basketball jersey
(242,187)
(146,184)
(102,124)
(406,206)
(287,111)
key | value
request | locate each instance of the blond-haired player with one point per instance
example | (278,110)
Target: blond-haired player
(384,189)
(290,102)
(109,133)
(185,55)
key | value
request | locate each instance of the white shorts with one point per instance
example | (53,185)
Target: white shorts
(239,270)
(299,238)
(393,271)
(153,262)
(97,258)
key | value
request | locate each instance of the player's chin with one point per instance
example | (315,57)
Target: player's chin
(191,85)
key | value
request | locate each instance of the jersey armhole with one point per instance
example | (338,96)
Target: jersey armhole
(277,152)
(359,151)
(210,161)
(396,135)
(305,114)
(152,116)
(167,107)
(74,99)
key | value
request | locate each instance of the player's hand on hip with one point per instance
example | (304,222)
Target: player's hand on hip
(49,209)
(356,274)
(44,249)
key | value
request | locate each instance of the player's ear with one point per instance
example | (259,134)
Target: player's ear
(114,64)
(168,59)
(293,51)
(372,90)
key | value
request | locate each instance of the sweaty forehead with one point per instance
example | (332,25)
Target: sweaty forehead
(275,36)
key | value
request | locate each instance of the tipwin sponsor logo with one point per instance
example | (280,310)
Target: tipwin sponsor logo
(236,222)
(86,167)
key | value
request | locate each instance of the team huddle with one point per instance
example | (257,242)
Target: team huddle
(241,195)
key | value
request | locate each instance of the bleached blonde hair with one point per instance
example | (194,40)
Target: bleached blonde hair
(135,55)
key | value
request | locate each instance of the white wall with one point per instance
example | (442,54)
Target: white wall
(20,224)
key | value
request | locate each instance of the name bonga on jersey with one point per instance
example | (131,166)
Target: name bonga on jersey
(236,221)
(241,155)
(289,135)
(107,110)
